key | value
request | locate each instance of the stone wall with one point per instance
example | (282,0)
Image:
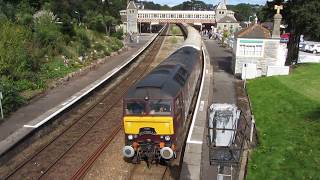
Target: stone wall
(271,49)
(262,64)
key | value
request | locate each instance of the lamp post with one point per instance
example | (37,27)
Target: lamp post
(78,17)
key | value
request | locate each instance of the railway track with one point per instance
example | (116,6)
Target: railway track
(89,134)
(142,172)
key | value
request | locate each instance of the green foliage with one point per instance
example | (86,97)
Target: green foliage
(191,5)
(47,33)
(244,11)
(118,34)
(15,58)
(67,27)
(175,30)
(25,19)
(287,113)
(154,6)
(11,97)
(82,37)
(301,16)
(37,46)
(55,69)
(95,21)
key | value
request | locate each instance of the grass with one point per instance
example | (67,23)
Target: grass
(287,112)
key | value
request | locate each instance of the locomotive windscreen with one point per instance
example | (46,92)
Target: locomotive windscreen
(151,107)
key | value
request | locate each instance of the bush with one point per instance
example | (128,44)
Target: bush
(82,37)
(47,32)
(67,28)
(118,34)
(15,57)
(11,97)
(25,19)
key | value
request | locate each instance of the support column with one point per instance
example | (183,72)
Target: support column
(150,28)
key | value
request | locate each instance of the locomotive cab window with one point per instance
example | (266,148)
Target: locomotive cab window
(135,108)
(160,107)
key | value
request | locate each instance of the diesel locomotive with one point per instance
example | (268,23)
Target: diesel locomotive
(156,108)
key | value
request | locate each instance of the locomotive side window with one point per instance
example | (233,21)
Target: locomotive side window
(135,108)
(160,107)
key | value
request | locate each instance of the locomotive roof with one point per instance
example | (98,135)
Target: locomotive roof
(166,80)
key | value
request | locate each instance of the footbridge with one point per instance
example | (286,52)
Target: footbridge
(135,17)
(158,17)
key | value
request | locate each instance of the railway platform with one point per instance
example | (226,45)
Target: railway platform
(218,87)
(40,110)
(223,91)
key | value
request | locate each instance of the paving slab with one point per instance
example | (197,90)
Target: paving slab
(24,120)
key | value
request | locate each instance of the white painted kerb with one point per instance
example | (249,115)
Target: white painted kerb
(198,103)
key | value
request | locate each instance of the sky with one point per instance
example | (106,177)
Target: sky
(214,2)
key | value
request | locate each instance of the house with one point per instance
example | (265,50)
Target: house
(255,48)
(228,23)
(225,19)
(257,52)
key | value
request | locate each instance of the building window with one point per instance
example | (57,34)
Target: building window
(250,50)
(258,50)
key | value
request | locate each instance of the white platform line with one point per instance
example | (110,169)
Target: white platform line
(201,106)
(198,99)
(194,142)
(75,98)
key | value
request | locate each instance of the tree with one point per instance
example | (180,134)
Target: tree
(109,22)
(301,16)
(266,13)
(191,5)
(244,11)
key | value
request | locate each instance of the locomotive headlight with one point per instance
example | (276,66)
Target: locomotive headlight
(167,138)
(130,137)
